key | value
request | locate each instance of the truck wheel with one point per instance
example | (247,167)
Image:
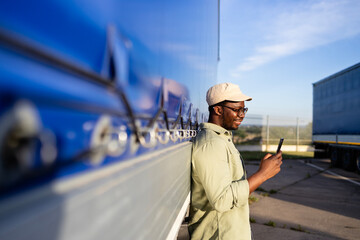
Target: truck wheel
(335,158)
(358,163)
(348,161)
(319,153)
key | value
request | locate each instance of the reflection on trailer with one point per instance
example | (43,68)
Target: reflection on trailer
(98,102)
(336,114)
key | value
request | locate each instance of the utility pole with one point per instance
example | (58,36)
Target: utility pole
(297,134)
(267,133)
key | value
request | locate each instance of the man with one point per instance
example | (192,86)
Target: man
(220,189)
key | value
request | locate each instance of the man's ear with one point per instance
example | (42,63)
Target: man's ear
(218,110)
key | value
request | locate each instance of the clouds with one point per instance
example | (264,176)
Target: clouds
(295,26)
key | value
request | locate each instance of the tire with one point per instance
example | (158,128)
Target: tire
(327,152)
(348,160)
(358,163)
(335,157)
(320,151)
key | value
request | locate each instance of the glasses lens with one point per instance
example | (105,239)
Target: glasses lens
(238,111)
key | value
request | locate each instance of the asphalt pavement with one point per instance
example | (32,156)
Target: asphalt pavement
(307,200)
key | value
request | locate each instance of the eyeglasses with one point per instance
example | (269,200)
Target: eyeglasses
(240,110)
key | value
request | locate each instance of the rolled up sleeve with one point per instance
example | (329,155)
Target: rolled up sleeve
(211,165)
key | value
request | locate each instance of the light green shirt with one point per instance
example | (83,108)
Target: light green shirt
(219,202)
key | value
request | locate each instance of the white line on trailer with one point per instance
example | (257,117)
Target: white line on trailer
(332,173)
(177,224)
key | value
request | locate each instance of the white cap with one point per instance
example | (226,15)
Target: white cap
(225,91)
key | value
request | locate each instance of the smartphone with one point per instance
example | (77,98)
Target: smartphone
(280,144)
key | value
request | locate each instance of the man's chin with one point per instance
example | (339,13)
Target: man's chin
(235,127)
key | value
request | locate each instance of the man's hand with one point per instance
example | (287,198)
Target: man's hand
(269,167)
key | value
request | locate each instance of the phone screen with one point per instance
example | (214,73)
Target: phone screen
(280,144)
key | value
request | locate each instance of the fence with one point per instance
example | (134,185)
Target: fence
(259,132)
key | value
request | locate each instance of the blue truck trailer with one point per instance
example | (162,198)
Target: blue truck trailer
(336,118)
(98,102)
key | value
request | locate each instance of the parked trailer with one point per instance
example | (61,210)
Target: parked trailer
(336,118)
(98,103)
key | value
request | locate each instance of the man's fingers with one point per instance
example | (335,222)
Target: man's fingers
(268,155)
(278,155)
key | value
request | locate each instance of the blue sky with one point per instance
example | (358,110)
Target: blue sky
(276,49)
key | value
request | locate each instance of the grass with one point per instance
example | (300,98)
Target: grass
(260,189)
(270,223)
(253,199)
(286,155)
(298,228)
(272,191)
(264,192)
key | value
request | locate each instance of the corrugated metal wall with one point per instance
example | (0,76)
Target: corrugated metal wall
(336,103)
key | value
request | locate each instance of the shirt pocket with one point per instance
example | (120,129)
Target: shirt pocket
(236,166)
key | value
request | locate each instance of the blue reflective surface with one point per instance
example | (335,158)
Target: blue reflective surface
(336,107)
(160,55)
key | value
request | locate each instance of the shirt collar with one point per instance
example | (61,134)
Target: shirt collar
(216,128)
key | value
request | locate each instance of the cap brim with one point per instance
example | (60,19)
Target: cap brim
(239,98)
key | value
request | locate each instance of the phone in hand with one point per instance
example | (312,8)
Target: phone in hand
(280,144)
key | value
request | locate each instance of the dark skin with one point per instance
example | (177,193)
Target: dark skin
(230,120)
